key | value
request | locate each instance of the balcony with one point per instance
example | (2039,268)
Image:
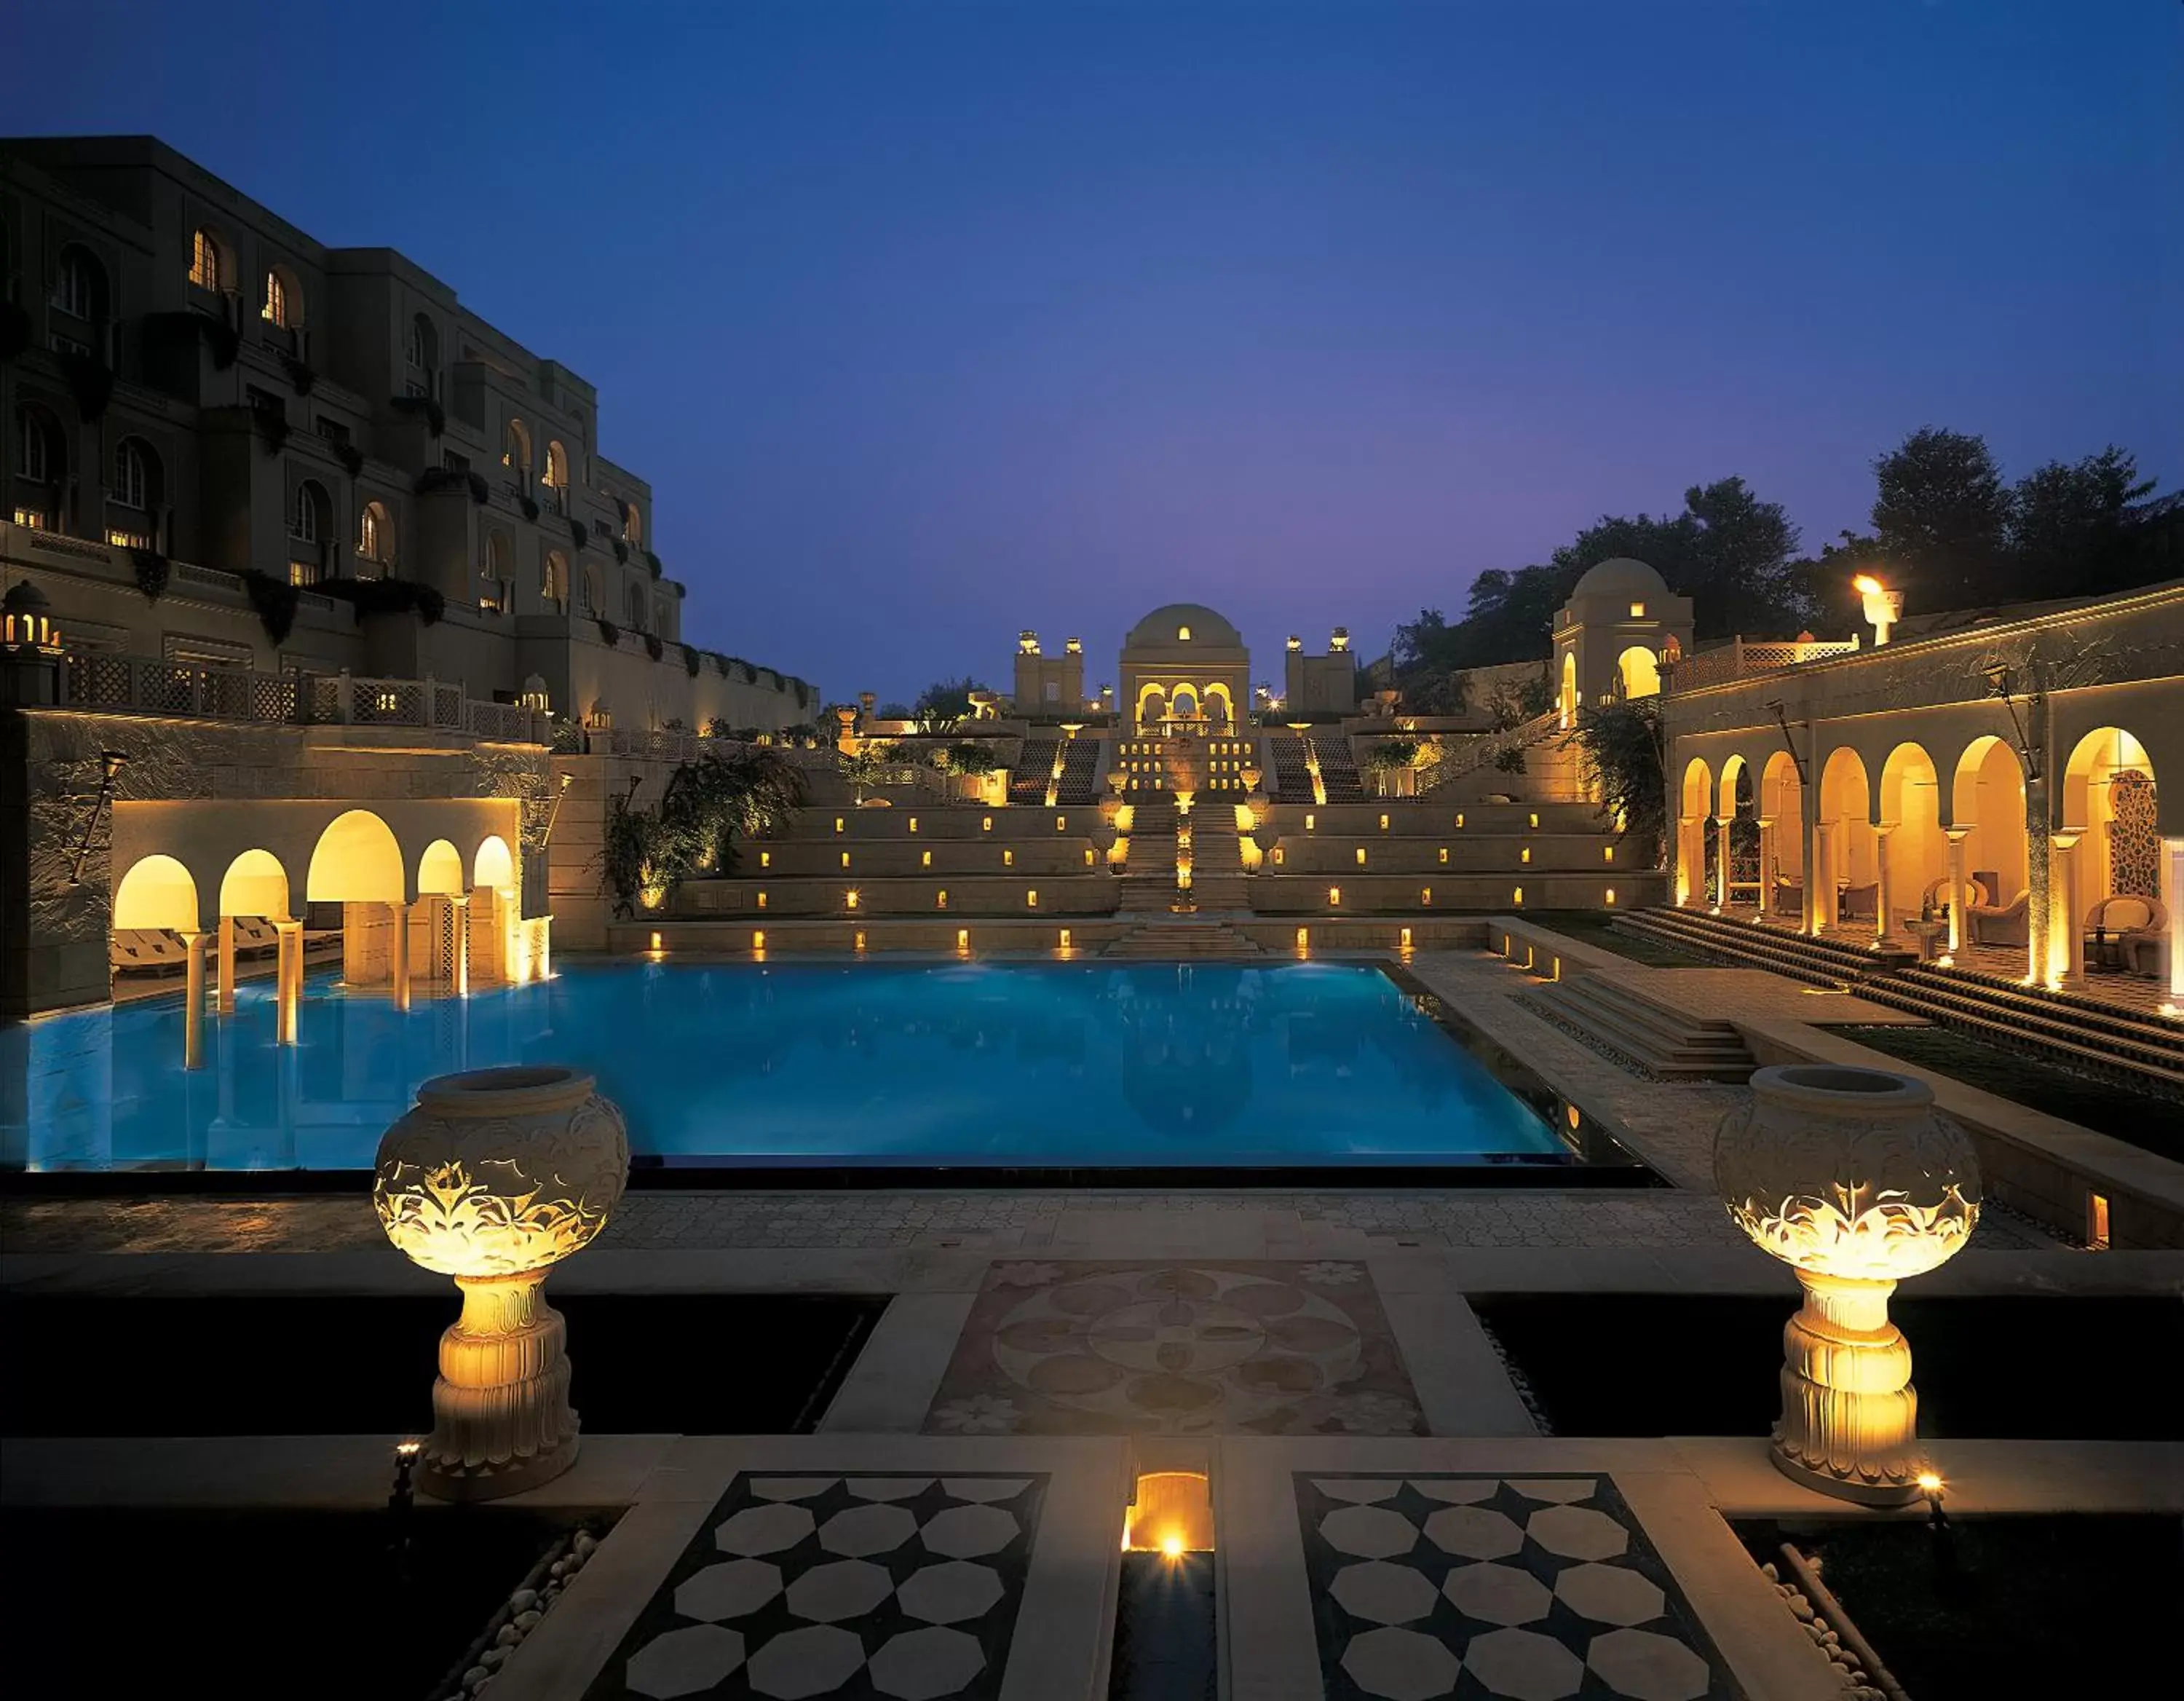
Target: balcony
(1742,659)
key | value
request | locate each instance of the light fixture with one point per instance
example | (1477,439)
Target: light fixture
(1882,607)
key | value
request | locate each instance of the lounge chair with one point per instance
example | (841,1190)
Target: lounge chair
(1860,903)
(2006,923)
(1936,897)
(1789,896)
(253,934)
(147,948)
(2136,925)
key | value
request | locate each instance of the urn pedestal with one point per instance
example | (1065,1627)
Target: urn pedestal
(1852,1179)
(493,1177)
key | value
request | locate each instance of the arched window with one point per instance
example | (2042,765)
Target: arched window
(636,609)
(307,515)
(136,473)
(375,535)
(632,523)
(497,566)
(555,586)
(421,350)
(207,268)
(515,448)
(592,604)
(557,466)
(80,284)
(284,300)
(35,460)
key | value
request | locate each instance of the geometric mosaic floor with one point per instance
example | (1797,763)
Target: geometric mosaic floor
(857,1586)
(1202,1347)
(1534,1587)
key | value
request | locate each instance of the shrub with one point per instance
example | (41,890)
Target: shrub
(652,561)
(690,661)
(654,646)
(387,596)
(276,601)
(153,572)
(622,552)
(421,407)
(530,505)
(1392,753)
(705,807)
(300,374)
(579,534)
(351,458)
(610,634)
(1623,743)
(969,758)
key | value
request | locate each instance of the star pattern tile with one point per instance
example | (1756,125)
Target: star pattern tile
(905,1587)
(1531,1589)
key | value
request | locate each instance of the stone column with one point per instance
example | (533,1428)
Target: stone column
(1883,892)
(1767,861)
(1959,935)
(2066,938)
(2172,901)
(193,999)
(1849,1423)
(1722,892)
(227,965)
(1691,863)
(459,962)
(288,980)
(1820,880)
(398,954)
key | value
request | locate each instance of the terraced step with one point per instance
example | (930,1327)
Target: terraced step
(1825,962)
(2020,1022)
(1665,1041)
(1181,938)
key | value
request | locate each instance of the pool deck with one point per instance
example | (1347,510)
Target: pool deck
(1367,1292)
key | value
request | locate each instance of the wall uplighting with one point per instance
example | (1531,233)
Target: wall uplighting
(1610,896)
(1518,896)
(839,823)
(1303,941)
(925,859)
(1065,940)
(1008,859)
(1407,939)
(2097,1222)
(761,901)
(858,943)
(1307,821)
(846,858)
(1361,856)
(766,859)
(963,941)
(1334,897)
(1384,823)
(758,941)
(655,941)
(913,823)
(1425,897)
(1524,854)
(849,899)
(1459,817)
(940,899)
(1031,898)
(1536,817)
(986,825)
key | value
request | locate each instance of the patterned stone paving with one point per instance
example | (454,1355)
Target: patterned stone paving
(857,1586)
(1534,1588)
(1201,1347)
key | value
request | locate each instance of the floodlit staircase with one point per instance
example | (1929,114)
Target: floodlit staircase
(1668,1042)
(1218,880)
(1181,938)
(1749,945)
(2088,1033)
(1148,881)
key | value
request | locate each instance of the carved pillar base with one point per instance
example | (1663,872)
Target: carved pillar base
(1849,1424)
(502,1418)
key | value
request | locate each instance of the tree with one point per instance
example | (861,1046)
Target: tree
(1739,570)
(1941,518)
(2069,528)
(944,702)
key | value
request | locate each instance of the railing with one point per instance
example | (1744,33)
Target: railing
(1488,747)
(100,681)
(1739,660)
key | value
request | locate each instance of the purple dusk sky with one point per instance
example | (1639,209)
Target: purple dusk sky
(931,321)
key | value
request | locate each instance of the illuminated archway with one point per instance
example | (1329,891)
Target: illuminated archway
(1692,850)
(1640,673)
(440,870)
(1847,886)
(1152,705)
(1183,703)
(1779,803)
(255,885)
(2108,800)
(356,861)
(495,865)
(1913,847)
(1566,697)
(1986,806)
(1218,707)
(158,893)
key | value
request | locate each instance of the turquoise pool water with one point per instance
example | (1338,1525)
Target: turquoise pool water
(1199,1065)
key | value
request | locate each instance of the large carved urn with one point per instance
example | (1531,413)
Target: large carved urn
(1853,1180)
(493,1178)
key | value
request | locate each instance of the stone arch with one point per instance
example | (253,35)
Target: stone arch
(1152,704)
(1986,806)
(1217,692)
(1565,695)
(1694,843)
(356,861)
(1910,810)
(2108,800)
(157,892)
(1183,694)
(255,885)
(1849,873)
(495,865)
(1779,800)
(1638,671)
(440,870)
(495,910)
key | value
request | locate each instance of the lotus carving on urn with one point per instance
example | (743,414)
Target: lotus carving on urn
(493,1178)
(1853,1180)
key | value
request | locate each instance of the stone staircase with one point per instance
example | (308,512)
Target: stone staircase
(2090,1034)
(1181,938)
(1148,881)
(1218,880)
(1749,945)
(2071,1029)
(1667,1042)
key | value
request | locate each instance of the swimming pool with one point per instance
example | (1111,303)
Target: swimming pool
(809,1066)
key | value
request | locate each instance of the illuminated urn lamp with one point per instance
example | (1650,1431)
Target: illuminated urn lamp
(1881,606)
(1853,1180)
(493,1178)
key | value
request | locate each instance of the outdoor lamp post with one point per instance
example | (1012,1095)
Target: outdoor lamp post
(1883,606)
(1851,1178)
(493,1178)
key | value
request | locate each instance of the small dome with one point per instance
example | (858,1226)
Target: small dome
(1621,575)
(1165,626)
(24,597)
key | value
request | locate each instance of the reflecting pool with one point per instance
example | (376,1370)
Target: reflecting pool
(1200,1065)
